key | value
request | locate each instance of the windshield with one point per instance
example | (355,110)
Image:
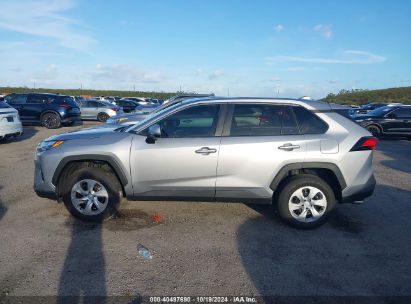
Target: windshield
(381,111)
(3,105)
(154,115)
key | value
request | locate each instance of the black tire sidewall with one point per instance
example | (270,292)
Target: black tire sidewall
(57,118)
(102,117)
(378,131)
(296,182)
(107,179)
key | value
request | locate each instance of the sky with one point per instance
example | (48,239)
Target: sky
(228,47)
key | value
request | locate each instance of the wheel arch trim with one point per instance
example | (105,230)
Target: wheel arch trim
(111,160)
(307,165)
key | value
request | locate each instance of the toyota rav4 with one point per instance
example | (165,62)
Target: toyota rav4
(300,155)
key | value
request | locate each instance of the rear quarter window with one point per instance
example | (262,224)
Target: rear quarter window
(309,122)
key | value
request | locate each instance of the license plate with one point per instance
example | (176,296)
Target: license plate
(9,119)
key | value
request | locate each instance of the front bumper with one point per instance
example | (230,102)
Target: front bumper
(41,187)
(361,193)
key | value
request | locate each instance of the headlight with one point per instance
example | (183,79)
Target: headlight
(48,145)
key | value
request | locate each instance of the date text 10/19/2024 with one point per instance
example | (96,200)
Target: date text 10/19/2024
(204,299)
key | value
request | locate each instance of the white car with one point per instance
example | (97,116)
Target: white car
(10,124)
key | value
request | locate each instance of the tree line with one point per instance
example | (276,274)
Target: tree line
(359,97)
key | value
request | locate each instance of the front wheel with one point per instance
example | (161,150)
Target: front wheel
(305,201)
(92,194)
(374,130)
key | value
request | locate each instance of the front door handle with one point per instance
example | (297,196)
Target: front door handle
(206,150)
(288,147)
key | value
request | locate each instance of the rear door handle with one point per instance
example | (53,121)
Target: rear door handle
(288,147)
(206,151)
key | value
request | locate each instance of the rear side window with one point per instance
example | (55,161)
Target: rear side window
(308,122)
(40,99)
(403,112)
(263,120)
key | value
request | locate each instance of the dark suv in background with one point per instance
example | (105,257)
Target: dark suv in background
(389,120)
(51,110)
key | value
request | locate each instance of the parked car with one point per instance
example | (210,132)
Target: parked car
(51,110)
(389,120)
(299,155)
(99,110)
(146,111)
(127,105)
(364,109)
(10,124)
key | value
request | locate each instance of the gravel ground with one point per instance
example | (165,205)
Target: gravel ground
(203,248)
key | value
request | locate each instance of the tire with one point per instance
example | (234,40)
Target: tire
(374,130)
(78,190)
(51,120)
(320,201)
(102,117)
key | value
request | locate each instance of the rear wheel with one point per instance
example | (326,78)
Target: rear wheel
(374,130)
(102,117)
(305,201)
(92,194)
(51,121)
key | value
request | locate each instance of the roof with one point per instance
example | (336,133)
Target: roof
(309,104)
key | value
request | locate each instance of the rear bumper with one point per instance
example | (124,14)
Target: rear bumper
(9,130)
(361,193)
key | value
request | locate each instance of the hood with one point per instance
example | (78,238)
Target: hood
(89,133)
(364,116)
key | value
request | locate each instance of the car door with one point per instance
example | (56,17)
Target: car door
(183,162)
(89,109)
(19,101)
(399,121)
(35,106)
(258,140)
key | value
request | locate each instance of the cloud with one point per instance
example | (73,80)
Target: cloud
(279,28)
(216,74)
(126,74)
(45,18)
(324,29)
(349,57)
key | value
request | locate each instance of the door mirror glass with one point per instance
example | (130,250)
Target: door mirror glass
(153,133)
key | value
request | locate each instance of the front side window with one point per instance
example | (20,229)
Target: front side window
(402,112)
(17,99)
(196,121)
(263,120)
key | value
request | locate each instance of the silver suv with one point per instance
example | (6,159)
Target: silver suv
(298,154)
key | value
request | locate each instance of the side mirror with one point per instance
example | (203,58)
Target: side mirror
(153,133)
(391,115)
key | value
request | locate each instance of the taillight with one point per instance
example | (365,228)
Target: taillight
(115,109)
(365,143)
(65,105)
